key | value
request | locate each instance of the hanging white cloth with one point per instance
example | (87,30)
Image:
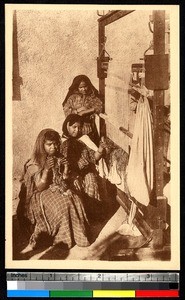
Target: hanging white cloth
(102,167)
(140,166)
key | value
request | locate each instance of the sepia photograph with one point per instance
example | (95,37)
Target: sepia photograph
(92,136)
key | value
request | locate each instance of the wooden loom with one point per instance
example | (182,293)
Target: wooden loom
(155,215)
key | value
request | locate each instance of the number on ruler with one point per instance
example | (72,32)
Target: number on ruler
(147,276)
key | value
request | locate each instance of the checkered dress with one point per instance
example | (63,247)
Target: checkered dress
(76,101)
(62,216)
(84,160)
(59,214)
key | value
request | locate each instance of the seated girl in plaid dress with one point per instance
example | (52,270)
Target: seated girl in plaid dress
(82,159)
(46,202)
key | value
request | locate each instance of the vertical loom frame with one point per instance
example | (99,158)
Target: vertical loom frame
(160,212)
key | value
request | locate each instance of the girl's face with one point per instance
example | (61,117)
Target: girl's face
(50,147)
(74,129)
(83,88)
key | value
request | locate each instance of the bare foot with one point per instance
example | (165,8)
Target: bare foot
(27,249)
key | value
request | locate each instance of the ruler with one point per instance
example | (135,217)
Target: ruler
(93,277)
(92,284)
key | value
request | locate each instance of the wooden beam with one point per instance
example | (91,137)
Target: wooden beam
(158,106)
(158,112)
(113,16)
(101,42)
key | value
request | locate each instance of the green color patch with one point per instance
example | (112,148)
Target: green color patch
(75,294)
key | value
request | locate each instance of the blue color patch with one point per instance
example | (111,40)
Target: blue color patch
(28,293)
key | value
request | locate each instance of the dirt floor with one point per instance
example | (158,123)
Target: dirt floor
(98,216)
(127,248)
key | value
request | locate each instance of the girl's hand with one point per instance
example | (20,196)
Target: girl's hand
(49,164)
(64,161)
(84,111)
(101,149)
(81,113)
(65,176)
(102,146)
(77,184)
(66,172)
(80,109)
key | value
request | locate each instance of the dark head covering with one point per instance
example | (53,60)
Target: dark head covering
(71,119)
(75,84)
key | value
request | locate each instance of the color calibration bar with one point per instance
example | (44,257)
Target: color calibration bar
(92,285)
(93,294)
